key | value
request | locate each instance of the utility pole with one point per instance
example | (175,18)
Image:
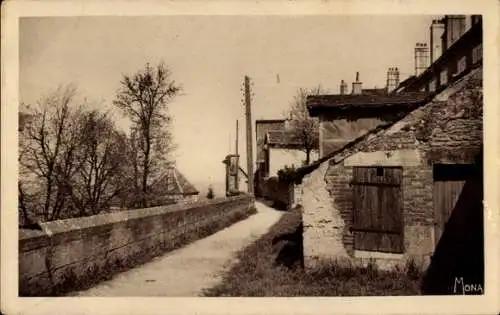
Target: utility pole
(248,113)
(237,132)
(237,176)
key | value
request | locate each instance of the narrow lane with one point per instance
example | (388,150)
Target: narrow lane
(197,266)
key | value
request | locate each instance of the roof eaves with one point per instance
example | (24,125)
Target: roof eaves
(317,109)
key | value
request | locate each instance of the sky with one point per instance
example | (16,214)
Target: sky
(209,56)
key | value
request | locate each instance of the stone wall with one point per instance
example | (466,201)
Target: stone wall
(75,251)
(327,200)
(279,192)
(322,220)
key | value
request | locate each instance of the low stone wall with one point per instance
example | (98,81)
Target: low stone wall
(280,193)
(76,253)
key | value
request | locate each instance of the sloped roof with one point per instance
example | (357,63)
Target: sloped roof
(448,119)
(174,183)
(262,126)
(286,139)
(408,81)
(375,91)
(338,103)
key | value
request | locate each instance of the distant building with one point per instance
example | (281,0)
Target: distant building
(283,148)
(262,126)
(344,117)
(277,147)
(174,187)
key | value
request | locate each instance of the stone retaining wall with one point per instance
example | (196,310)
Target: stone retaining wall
(75,253)
(279,192)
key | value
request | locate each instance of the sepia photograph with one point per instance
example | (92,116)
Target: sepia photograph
(250,155)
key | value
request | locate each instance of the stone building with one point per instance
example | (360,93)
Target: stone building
(392,166)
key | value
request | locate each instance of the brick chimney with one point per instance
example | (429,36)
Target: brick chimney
(343,87)
(357,86)
(392,79)
(436,43)
(455,27)
(421,58)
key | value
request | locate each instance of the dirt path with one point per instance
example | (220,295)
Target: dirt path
(189,270)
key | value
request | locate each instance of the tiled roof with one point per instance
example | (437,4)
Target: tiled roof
(406,83)
(286,139)
(174,183)
(375,91)
(338,103)
(261,128)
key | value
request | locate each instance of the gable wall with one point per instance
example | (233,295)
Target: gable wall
(327,224)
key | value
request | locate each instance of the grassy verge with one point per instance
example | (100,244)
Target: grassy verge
(256,273)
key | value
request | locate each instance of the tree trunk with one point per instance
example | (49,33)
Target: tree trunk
(146,172)
(308,157)
(22,204)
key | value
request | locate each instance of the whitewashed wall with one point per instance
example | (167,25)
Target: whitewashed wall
(278,158)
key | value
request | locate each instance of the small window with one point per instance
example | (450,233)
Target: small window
(432,85)
(444,77)
(461,65)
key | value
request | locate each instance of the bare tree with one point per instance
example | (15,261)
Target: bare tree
(102,159)
(304,127)
(72,160)
(144,97)
(48,149)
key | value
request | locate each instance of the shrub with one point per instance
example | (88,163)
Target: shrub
(210,193)
(287,174)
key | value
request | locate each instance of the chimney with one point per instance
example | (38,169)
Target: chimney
(436,45)
(343,87)
(392,79)
(454,27)
(356,86)
(421,58)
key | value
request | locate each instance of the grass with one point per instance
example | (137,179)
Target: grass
(256,273)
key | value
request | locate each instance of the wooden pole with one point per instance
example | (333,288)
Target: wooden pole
(237,134)
(248,111)
(237,176)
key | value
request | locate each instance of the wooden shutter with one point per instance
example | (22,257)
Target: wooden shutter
(378,224)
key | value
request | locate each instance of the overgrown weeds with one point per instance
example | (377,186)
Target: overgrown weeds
(257,274)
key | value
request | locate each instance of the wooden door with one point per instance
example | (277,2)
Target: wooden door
(378,221)
(449,180)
